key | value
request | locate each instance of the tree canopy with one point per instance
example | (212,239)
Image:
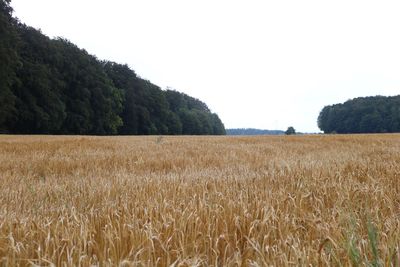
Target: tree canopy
(9,61)
(290,131)
(378,114)
(50,86)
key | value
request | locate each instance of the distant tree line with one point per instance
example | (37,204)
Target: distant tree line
(377,114)
(50,86)
(252,131)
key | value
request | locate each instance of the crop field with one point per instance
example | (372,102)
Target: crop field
(200,201)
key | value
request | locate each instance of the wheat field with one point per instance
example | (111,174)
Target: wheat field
(200,201)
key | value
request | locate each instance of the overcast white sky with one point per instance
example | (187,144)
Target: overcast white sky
(257,63)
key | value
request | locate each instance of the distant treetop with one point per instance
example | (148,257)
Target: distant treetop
(290,131)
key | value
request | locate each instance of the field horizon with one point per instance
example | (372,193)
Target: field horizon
(324,200)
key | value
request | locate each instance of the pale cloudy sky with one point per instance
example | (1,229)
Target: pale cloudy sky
(257,63)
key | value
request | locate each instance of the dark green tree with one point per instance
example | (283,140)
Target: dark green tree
(127,83)
(9,62)
(290,131)
(38,92)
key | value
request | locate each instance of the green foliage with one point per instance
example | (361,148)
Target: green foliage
(9,61)
(352,245)
(373,241)
(39,104)
(290,131)
(51,86)
(377,114)
(354,242)
(217,125)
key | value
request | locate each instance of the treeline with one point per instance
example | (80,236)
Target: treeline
(252,131)
(377,114)
(50,86)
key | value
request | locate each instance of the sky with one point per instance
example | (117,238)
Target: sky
(256,63)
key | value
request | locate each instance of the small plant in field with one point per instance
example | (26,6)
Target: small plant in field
(353,242)
(373,242)
(353,251)
(159,139)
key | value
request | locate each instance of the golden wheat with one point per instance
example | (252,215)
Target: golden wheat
(200,201)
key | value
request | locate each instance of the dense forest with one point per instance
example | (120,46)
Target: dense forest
(252,131)
(377,114)
(50,86)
